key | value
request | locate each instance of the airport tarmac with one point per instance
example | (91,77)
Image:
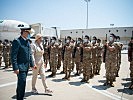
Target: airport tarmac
(70,90)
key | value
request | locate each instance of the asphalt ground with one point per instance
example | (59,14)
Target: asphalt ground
(70,90)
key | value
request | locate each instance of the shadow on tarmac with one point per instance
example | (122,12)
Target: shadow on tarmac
(76,83)
(126,89)
(27,94)
(57,80)
(102,81)
(101,87)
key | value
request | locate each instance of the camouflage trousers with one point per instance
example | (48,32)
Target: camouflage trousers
(86,69)
(94,66)
(0,59)
(46,58)
(72,63)
(118,65)
(53,65)
(67,66)
(7,60)
(98,65)
(59,61)
(131,69)
(110,67)
(79,67)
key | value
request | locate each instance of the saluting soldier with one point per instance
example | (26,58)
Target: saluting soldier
(73,54)
(7,48)
(78,57)
(87,59)
(68,48)
(1,51)
(110,62)
(119,48)
(53,57)
(59,54)
(94,56)
(130,59)
(46,51)
(99,56)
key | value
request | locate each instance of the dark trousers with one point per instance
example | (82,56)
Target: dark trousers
(21,84)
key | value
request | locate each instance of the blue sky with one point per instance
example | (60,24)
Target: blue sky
(69,14)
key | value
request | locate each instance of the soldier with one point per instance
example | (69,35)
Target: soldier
(72,43)
(1,51)
(87,59)
(130,59)
(118,45)
(46,51)
(110,61)
(7,47)
(63,52)
(53,57)
(94,56)
(99,57)
(59,54)
(78,57)
(68,48)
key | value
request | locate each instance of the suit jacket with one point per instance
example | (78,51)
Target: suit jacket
(37,54)
(21,55)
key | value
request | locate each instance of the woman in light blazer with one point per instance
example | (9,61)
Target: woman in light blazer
(37,54)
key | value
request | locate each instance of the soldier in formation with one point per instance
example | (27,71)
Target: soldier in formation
(78,56)
(6,53)
(68,48)
(46,51)
(111,61)
(1,52)
(99,56)
(86,60)
(59,54)
(130,59)
(53,57)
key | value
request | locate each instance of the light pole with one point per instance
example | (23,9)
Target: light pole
(87,13)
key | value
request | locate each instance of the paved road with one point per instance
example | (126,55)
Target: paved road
(70,90)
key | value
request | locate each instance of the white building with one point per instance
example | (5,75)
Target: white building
(125,33)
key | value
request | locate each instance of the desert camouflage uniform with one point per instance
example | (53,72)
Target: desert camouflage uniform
(78,60)
(7,49)
(94,59)
(59,56)
(68,61)
(53,59)
(46,53)
(118,50)
(1,51)
(99,58)
(87,59)
(111,64)
(130,59)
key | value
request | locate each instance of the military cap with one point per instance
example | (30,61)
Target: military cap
(68,37)
(117,37)
(24,28)
(86,36)
(54,38)
(94,38)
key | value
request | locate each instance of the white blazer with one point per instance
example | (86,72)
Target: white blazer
(37,54)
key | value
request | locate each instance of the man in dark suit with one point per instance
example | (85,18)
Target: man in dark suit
(21,60)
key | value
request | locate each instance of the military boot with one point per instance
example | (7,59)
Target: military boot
(131,85)
(106,83)
(87,79)
(51,75)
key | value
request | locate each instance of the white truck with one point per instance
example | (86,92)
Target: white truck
(46,32)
